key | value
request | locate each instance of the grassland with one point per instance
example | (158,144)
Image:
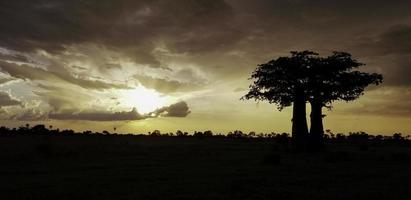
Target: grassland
(100,167)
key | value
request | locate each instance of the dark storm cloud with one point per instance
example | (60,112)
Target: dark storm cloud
(395,40)
(185,25)
(322,11)
(179,109)
(7,100)
(390,51)
(132,27)
(398,73)
(26,72)
(99,116)
(197,27)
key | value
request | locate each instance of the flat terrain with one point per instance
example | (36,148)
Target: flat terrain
(137,167)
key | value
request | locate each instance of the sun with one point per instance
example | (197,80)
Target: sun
(145,100)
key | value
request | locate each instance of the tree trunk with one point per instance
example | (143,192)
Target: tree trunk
(299,126)
(316,129)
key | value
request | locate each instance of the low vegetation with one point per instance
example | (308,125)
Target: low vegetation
(46,163)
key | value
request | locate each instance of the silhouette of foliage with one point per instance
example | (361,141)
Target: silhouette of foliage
(306,77)
(334,78)
(283,82)
(356,138)
(236,134)
(155,133)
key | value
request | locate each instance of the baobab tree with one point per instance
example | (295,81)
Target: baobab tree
(283,81)
(307,77)
(330,79)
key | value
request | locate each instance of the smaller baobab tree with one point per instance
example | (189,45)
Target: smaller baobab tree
(331,79)
(283,81)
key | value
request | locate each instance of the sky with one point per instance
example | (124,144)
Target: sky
(142,65)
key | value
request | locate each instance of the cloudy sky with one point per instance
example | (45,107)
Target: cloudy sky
(141,65)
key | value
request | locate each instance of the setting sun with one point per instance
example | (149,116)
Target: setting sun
(145,100)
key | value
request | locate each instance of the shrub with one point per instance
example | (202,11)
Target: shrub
(155,133)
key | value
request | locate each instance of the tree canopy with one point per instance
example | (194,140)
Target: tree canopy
(336,78)
(278,81)
(307,77)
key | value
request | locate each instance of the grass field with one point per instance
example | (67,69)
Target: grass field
(138,167)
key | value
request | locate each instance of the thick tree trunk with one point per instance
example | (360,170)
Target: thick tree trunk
(316,129)
(299,126)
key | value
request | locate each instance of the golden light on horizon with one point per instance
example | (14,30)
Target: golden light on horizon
(145,100)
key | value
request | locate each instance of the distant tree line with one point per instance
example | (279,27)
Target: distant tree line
(356,137)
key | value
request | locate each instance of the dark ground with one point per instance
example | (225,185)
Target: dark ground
(136,167)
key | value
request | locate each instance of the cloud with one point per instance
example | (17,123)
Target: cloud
(98,116)
(6,80)
(393,41)
(396,40)
(389,52)
(62,99)
(166,85)
(31,114)
(27,72)
(179,109)
(239,89)
(386,101)
(200,32)
(7,100)
(160,85)
(131,27)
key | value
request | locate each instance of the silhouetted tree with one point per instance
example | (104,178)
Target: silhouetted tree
(198,134)
(39,129)
(208,133)
(251,134)
(155,133)
(283,81)
(334,78)
(397,137)
(180,133)
(236,134)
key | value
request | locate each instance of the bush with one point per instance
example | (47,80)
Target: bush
(155,133)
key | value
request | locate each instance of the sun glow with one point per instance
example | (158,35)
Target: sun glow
(145,100)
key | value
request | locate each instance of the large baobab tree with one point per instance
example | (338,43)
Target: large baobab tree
(307,77)
(283,81)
